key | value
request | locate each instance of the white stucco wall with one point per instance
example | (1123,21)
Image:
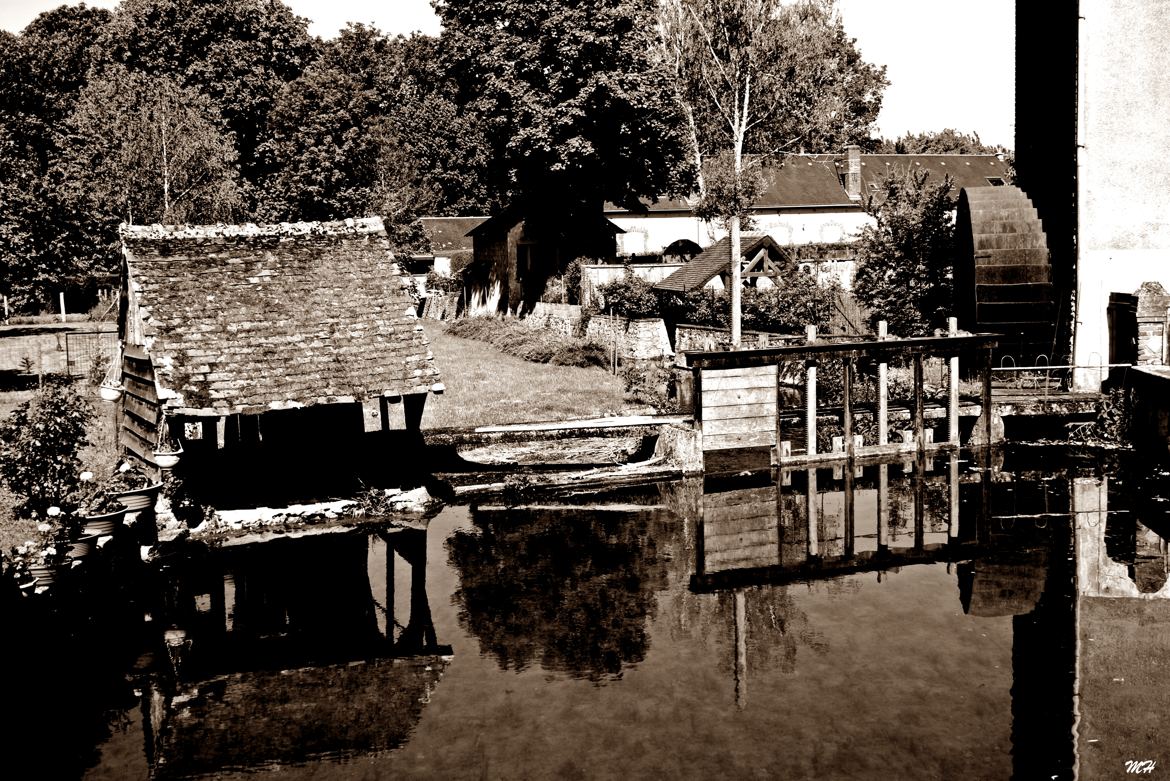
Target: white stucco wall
(1124,192)
(654,232)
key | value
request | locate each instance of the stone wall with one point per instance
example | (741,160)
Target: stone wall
(562,319)
(641,339)
(1153,305)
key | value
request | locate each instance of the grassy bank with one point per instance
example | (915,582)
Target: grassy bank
(486,386)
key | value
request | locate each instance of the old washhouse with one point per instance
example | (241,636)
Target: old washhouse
(252,349)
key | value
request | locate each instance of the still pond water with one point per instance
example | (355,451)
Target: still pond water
(924,620)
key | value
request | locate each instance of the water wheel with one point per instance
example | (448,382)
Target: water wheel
(1003,279)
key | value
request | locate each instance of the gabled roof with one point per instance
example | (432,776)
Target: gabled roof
(966,170)
(450,234)
(257,317)
(509,218)
(715,260)
(816,181)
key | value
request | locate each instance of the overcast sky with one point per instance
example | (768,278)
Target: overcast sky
(950,62)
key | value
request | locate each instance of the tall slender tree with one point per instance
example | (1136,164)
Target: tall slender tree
(758,78)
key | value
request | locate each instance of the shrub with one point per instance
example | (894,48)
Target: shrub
(651,383)
(531,344)
(42,439)
(629,296)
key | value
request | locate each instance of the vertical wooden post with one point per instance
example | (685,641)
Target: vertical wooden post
(849,509)
(6,308)
(384,412)
(883,507)
(919,406)
(412,408)
(847,404)
(779,433)
(883,388)
(953,490)
(919,505)
(810,397)
(987,410)
(953,397)
(813,546)
(61,299)
(697,403)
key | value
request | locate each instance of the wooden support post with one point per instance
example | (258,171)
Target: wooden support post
(847,405)
(849,509)
(919,504)
(412,408)
(883,389)
(953,397)
(919,406)
(220,432)
(810,398)
(987,409)
(813,546)
(883,507)
(779,432)
(61,298)
(384,412)
(953,490)
(697,413)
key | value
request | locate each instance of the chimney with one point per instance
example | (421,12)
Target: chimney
(853,172)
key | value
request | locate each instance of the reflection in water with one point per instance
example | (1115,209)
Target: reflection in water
(572,590)
(911,619)
(281,652)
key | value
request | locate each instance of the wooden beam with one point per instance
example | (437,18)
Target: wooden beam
(919,405)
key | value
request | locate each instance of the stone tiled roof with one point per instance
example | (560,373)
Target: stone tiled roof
(250,318)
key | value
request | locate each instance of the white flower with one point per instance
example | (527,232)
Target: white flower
(44,527)
(50,551)
(53,511)
(124,467)
(85,477)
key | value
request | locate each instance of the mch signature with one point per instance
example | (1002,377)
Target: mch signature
(1140,765)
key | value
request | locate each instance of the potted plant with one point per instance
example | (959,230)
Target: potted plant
(99,509)
(133,488)
(110,388)
(168,450)
(46,557)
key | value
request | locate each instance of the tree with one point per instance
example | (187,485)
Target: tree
(144,149)
(905,262)
(367,129)
(945,142)
(762,77)
(574,110)
(237,52)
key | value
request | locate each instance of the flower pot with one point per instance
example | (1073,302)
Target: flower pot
(105,523)
(165,459)
(109,391)
(46,574)
(139,498)
(82,546)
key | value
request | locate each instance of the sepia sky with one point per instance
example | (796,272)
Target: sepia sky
(950,62)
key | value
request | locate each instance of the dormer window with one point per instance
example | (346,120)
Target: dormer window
(996,181)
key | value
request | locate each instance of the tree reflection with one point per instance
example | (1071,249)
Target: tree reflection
(570,589)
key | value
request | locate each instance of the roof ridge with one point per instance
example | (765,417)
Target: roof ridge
(251,229)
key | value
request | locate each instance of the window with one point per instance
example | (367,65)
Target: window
(995,181)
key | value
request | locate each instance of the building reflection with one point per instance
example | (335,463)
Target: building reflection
(1005,536)
(292,650)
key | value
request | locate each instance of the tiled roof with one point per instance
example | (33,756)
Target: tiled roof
(250,318)
(450,234)
(801,182)
(807,181)
(713,261)
(966,170)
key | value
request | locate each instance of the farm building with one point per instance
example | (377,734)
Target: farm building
(254,348)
